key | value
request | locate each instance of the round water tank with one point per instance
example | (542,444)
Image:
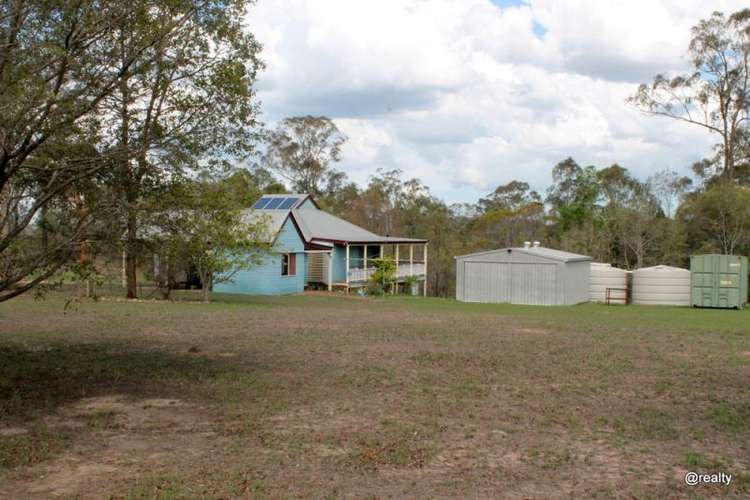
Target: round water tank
(661,285)
(605,276)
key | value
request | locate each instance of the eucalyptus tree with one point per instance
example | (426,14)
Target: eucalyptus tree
(203,224)
(511,196)
(510,214)
(59,62)
(718,219)
(573,194)
(716,94)
(191,109)
(302,149)
(636,224)
(670,189)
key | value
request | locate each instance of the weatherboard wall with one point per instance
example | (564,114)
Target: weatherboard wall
(266,278)
(356,253)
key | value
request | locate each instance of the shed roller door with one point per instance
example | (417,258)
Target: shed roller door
(487,282)
(534,284)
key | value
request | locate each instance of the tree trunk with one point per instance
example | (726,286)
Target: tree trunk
(83,247)
(45,229)
(728,160)
(205,286)
(131,258)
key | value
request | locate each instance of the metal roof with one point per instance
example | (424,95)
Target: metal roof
(273,220)
(317,224)
(547,253)
(282,201)
(323,226)
(551,253)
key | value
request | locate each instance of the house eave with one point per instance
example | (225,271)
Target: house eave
(376,241)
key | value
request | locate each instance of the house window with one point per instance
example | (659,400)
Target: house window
(289,264)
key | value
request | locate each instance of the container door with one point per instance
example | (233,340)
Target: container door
(704,281)
(728,289)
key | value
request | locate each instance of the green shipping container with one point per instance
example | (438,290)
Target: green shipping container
(718,281)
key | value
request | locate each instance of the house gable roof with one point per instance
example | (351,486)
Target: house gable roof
(317,226)
(283,202)
(273,220)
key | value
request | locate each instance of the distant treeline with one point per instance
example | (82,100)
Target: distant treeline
(132,129)
(605,213)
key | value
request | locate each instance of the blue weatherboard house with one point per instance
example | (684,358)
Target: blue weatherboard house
(312,248)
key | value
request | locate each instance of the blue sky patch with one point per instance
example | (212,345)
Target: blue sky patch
(509,3)
(539,29)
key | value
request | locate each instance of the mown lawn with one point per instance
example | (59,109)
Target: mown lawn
(330,396)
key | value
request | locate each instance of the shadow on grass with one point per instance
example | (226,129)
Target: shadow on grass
(34,382)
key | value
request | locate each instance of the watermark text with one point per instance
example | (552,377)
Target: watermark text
(696,478)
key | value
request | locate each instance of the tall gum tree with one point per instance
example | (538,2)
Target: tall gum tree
(302,149)
(715,95)
(192,110)
(59,61)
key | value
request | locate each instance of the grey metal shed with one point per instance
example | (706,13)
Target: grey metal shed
(529,275)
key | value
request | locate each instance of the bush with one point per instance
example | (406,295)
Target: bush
(375,288)
(383,278)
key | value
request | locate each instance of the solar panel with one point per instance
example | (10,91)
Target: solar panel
(274,203)
(261,203)
(287,203)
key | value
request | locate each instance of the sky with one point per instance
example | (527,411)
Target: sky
(466,95)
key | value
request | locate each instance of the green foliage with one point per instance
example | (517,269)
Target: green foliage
(375,288)
(411,280)
(714,96)
(189,113)
(302,149)
(513,213)
(574,193)
(513,196)
(606,213)
(383,278)
(103,104)
(718,220)
(731,416)
(163,99)
(201,224)
(669,188)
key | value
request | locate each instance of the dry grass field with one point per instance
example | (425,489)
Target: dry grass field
(329,397)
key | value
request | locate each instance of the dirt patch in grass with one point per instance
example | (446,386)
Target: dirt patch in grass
(13,431)
(117,438)
(322,396)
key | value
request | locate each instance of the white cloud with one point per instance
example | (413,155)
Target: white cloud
(466,95)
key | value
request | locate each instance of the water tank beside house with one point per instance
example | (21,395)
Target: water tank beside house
(604,276)
(661,285)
